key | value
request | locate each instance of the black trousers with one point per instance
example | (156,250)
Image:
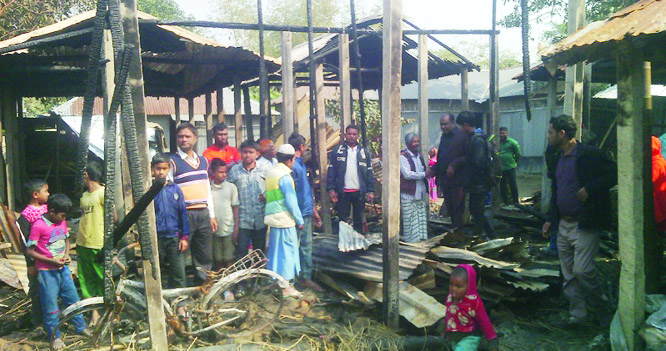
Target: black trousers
(477,209)
(509,179)
(345,203)
(246,236)
(201,241)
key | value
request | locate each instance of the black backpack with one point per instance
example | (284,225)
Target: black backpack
(493,163)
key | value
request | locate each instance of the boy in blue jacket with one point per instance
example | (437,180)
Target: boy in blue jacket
(173,228)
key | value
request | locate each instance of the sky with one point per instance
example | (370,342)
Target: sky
(430,14)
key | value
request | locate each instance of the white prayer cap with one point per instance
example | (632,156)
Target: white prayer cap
(286,149)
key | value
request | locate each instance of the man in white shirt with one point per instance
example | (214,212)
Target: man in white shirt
(350,181)
(414,191)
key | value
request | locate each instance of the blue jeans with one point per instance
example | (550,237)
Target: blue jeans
(54,283)
(305,247)
(468,343)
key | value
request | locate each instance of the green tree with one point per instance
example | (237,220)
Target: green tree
(167,10)
(22,16)
(595,10)
(478,51)
(373,120)
(325,13)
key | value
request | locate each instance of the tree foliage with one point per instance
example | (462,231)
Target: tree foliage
(167,10)
(326,13)
(373,120)
(478,51)
(595,10)
(23,16)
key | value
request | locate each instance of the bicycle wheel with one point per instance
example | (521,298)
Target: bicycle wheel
(256,303)
(115,321)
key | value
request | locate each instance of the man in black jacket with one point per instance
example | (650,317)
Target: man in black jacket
(477,177)
(450,169)
(580,201)
(350,184)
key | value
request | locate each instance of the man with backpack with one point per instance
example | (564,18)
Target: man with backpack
(479,177)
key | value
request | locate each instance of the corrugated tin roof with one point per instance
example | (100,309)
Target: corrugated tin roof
(163,106)
(640,20)
(611,92)
(478,85)
(370,46)
(176,62)
(363,264)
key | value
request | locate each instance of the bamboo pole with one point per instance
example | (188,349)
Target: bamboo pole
(423,95)
(321,143)
(287,87)
(345,83)
(574,75)
(238,116)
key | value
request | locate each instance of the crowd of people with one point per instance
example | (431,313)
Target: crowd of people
(219,205)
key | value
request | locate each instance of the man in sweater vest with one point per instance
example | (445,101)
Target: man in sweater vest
(413,191)
(190,172)
(283,216)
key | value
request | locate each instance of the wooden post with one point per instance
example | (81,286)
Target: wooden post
(209,118)
(287,87)
(494,97)
(248,113)
(190,110)
(108,81)
(654,251)
(635,209)
(551,104)
(321,145)
(423,95)
(494,80)
(176,106)
(220,104)
(345,83)
(573,83)
(391,81)
(9,121)
(153,283)
(4,175)
(464,89)
(264,105)
(238,117)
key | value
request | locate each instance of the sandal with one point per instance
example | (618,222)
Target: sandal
(293,293)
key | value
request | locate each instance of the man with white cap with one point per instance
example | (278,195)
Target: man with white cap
(283,216)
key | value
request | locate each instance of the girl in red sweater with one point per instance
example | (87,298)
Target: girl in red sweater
(465,313)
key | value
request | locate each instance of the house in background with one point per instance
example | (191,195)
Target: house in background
(161,110)
(444,96)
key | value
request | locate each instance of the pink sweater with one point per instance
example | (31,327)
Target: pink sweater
(469,314)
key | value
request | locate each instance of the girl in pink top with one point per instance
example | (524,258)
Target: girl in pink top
(465,313)
(38,194)
(432,180)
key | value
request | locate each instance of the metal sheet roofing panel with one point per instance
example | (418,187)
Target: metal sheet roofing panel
(639,20)
(363,264)
(176,62)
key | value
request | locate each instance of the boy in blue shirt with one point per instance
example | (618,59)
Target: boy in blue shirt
(173,228)
(306,204)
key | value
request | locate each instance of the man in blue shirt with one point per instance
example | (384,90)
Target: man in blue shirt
(306,205)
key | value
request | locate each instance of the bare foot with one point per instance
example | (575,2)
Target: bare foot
(57,344)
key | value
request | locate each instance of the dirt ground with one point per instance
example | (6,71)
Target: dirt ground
(327,321)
